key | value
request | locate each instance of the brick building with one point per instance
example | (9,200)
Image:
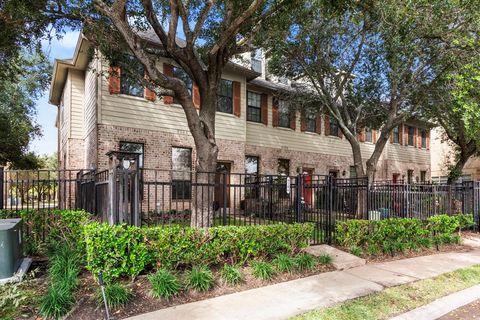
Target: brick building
(254,131)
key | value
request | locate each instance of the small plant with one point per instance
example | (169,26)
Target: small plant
(199,278)
(285,263)
(164,284)
(232,275)
(262,270)
(57,302)
(356,251)
(325,258)
(304,261)
(117,295)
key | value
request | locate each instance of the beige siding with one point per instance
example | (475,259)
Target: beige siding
(65,111)
(137,112)
(408,154)
(77,107)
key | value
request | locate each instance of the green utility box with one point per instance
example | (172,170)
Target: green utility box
(10,246)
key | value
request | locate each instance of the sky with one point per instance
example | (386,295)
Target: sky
(46,113)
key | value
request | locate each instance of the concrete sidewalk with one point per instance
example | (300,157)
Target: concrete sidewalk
(287,299)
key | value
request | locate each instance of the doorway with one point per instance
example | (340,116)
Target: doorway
(222,191)
(307,187)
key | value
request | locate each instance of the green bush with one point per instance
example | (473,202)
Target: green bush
(232,275)
(117,295)
(57,301)
(262,270)
(121,250)
(43,229)
(304,262)
(199,278)
(356,251)
(164,284)
(285,263)
(392,236)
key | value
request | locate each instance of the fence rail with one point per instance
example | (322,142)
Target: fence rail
(153,197)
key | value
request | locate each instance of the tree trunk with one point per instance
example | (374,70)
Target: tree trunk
(457,169)
(206,164)
(372,162)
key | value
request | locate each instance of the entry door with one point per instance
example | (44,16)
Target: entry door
(222,191)
(307,187)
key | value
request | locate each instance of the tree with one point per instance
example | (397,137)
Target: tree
(371,63)
(200,36)
(17,110)
(455,106)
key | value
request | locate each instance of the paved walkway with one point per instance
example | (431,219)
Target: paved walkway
(287,299)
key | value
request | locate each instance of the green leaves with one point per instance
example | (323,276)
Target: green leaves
(164,284)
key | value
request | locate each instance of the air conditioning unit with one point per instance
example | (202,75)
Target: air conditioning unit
(10,247)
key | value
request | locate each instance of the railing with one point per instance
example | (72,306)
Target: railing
(153,197)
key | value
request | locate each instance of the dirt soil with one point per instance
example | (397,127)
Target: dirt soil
(142,302)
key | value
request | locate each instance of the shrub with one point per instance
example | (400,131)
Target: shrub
(232,275)
(285,263)
(304,261)
(57,301)
(262,270)
(116,250)
(398,235)
(122,250)
(325,258)
(117,295)
(164,284)
(199,278)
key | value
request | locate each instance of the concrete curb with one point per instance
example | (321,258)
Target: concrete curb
(443,305)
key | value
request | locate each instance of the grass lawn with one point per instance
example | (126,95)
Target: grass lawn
(396,300)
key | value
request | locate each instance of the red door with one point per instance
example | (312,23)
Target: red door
(307,188)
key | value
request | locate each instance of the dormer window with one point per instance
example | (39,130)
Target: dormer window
(130,83)
(256,60)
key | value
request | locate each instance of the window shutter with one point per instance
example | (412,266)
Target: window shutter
(419,139)
(275,112)
(196,96)
(374,136)
(428,139)
(415,130)
(293,120)
(168,71)
(340,133)
(114,74)
(147,93)
(391,136)
(405,130)
(327,125)
(400,134)
(236,99)
(264,109)
(303,121)
(361,135)
(318,123)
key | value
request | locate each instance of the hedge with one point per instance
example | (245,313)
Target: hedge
(126,250)
(400,234)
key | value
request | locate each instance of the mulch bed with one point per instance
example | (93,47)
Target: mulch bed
(142,302)
(467,312)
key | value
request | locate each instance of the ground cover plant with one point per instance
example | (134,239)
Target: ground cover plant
(164,284)
(232,275)
(199,278)
(396,300)
(116,294)
(262,270)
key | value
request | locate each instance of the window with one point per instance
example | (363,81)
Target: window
(410,176)
(424,138)
(130,83)
(334,131)
(181,173)
(411,132)
(396,135)
(179,73)
(256,58)
(252,190)
(254,107)
(423,176)
(283,114)
(133,147)
(311,121)
(368,135)
(225,96)
(283,167)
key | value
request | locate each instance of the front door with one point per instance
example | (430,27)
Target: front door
(222,181)
(307,187)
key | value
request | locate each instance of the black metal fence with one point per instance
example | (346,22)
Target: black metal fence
(153,197)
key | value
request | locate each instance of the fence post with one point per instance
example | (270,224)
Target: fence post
(2,191)
(136,198)
(298,197)
(225,198)
(329,196)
